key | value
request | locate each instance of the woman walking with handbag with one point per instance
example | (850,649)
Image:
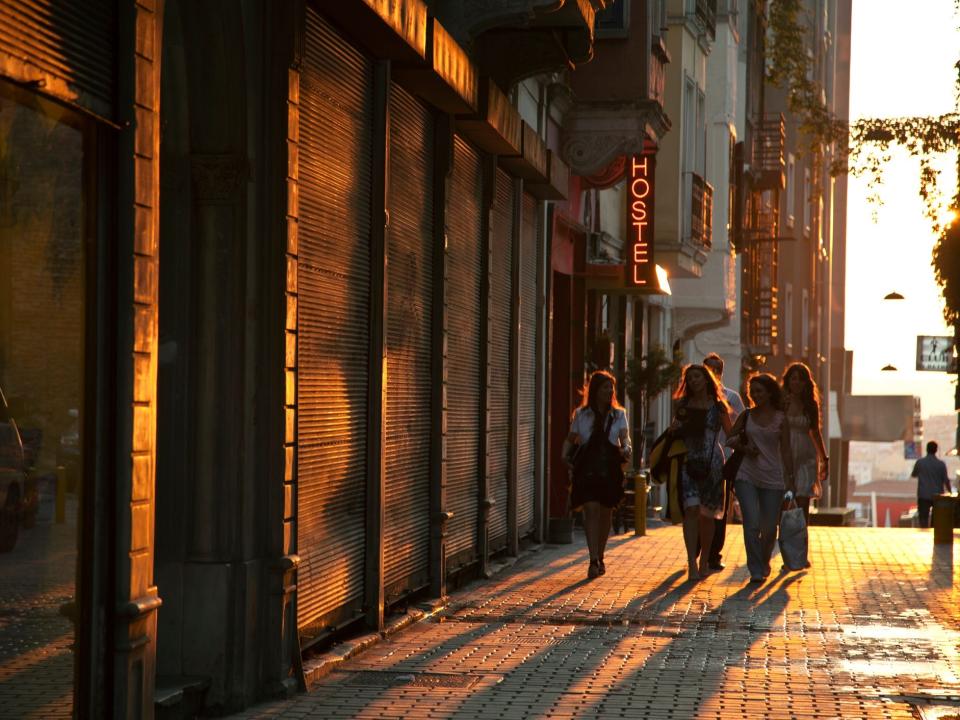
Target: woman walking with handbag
(595,449)
(802,406)
(765,472)
(702,412)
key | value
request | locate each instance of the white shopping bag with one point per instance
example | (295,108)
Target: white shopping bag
(793,537)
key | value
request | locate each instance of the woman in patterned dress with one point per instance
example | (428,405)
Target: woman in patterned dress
(702,412)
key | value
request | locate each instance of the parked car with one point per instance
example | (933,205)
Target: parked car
(13,478)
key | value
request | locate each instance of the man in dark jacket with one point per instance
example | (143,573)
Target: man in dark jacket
(931,474)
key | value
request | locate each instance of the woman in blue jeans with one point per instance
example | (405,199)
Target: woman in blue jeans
(766,473)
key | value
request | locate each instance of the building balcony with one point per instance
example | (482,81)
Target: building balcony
(705,13)
(617,99)
(514,39)
(686,258)
(701,212)
(768,166)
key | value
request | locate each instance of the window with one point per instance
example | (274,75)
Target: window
(614,20)
(806,201)
(46,158)
(788,318)
(805,322)
(791,189)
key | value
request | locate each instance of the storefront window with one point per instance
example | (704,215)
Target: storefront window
(42,309)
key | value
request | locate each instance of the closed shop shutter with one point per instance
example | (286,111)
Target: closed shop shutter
(336,120)
(68,46)
(408,337)
(501,311)
(465,263)
(527,370)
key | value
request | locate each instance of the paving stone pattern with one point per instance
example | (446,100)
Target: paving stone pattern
(872,626)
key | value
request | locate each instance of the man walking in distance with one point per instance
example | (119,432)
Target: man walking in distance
(714,363)
(931,474)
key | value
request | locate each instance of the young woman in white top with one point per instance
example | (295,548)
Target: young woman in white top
(766,471)
(802,406)
(595,449)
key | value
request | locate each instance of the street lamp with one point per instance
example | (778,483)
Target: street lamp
(893,296)
(888,368)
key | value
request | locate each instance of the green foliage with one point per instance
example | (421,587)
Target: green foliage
(923,137)
(651,374)
(790,67)
(946,266)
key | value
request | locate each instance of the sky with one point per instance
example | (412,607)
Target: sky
(896,72)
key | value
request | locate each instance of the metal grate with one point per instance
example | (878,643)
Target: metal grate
(501,317)
(465,263)
(333,277)
(409,317)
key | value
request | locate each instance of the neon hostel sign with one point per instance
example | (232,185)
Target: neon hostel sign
(641,271)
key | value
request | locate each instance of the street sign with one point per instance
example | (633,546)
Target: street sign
(935,353)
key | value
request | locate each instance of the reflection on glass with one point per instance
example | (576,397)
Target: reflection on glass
(41,389)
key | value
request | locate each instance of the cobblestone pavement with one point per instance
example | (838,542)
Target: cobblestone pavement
(872,630)
(36,638)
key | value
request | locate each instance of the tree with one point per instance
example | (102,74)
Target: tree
(647,377)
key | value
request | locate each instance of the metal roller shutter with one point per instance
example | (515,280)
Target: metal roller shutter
(333,319)
(408,337)
(527,375)
(465,263)
(73,44)
(501,311)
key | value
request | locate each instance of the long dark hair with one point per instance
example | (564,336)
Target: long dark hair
(714,389)
(810,397)
(772,387)
(590,390)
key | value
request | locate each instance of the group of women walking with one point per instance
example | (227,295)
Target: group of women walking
(778,438)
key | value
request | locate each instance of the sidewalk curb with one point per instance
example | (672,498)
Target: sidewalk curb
(322,665)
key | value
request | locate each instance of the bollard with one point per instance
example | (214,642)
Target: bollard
(61,493)
(943,519)
(640,504)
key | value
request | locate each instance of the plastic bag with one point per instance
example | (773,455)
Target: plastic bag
(793,537)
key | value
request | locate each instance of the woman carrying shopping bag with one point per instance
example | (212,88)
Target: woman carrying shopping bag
(802,408)
(765,473)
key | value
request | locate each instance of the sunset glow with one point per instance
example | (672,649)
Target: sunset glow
(894,253)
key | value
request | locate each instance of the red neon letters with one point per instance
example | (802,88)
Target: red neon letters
(640,221)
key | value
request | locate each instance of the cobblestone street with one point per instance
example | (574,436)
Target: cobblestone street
(870,631)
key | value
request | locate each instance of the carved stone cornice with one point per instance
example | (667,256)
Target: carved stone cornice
(595,133)
(219,179)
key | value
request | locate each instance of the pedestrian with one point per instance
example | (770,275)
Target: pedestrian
(714,363)
(702,413)
(766,471)
(931,474)
(595,449)
(802,407)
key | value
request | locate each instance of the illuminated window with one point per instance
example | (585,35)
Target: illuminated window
(805,322)
(788,318)
(791,189)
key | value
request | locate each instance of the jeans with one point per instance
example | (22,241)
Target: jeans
(760,508)
(924,506)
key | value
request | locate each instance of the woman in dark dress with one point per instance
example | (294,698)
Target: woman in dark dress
(702,412)
(595,449)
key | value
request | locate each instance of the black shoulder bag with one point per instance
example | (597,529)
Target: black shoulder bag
(732,465)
